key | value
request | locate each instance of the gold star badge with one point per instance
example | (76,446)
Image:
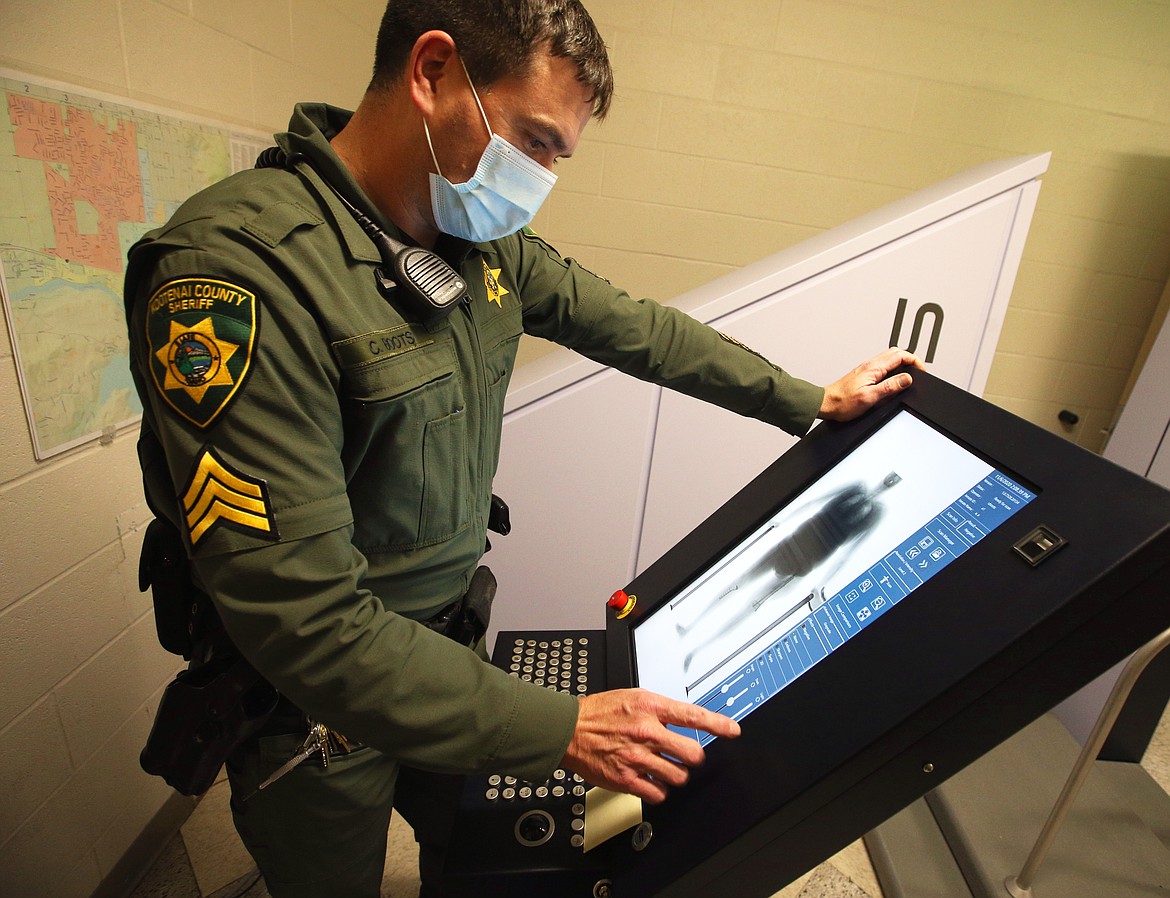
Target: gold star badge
(196,359)
(491,280)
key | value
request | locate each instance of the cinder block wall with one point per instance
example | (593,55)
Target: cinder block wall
(80,665)
(739,129)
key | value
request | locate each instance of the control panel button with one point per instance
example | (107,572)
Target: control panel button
(534,828)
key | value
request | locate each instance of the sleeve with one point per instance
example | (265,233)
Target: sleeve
(379,678)
(245,407)
(567,304)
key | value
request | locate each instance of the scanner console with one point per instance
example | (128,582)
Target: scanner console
(551,812)
(884,604)
(510,831)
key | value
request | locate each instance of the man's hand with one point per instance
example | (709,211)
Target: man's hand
(621,741)
(866,385)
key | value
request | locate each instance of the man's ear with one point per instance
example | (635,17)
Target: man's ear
(430,70)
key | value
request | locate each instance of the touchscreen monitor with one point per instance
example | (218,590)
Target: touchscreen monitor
(903,505)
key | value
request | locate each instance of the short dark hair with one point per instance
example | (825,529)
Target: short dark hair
(497,38)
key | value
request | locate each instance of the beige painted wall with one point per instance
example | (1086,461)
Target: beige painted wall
(739,129)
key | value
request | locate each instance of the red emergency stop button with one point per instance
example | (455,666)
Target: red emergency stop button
(622,602)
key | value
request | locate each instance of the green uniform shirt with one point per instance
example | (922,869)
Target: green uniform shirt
(330,461)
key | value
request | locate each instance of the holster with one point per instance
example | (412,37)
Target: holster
(181,609)
(205,713)
(466,621)
(220,699)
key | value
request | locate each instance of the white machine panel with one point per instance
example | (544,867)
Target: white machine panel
(572,470)
(932,291)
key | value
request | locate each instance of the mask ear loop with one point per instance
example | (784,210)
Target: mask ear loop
(434,158)
(475,94)
(486,123)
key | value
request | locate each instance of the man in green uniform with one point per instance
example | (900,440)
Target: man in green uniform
(327,448)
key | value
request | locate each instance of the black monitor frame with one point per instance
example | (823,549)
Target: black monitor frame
(962,663)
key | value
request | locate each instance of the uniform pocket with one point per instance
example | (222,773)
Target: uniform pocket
(444,508)
(406,449)
(499,363)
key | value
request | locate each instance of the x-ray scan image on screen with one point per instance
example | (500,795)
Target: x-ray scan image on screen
(895,511)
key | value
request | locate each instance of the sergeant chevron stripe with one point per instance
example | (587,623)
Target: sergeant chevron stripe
(216,493)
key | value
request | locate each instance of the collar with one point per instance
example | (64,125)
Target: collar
(310,130)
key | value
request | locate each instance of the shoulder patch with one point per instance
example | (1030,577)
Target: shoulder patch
(216,493)
(201,333)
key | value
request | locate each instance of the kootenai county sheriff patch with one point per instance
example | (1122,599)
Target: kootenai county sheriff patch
(201,334)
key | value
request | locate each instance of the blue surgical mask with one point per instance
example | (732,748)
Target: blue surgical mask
(502,196)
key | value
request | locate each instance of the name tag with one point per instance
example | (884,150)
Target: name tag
(366,349)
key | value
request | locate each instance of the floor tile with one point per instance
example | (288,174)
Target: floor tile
(170,876)
(796,887)
(218,858)
(853,861)
(401,878)
(829,882)
(1156,761)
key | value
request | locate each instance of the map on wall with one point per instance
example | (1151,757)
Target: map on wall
(82,177)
